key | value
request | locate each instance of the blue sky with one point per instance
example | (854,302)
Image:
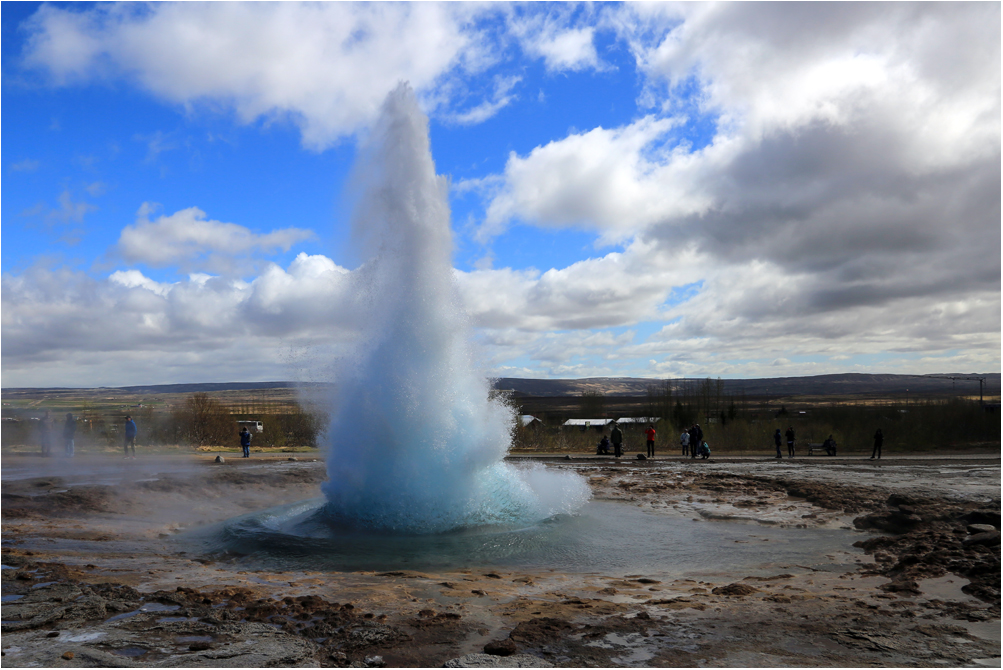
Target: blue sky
(736,190)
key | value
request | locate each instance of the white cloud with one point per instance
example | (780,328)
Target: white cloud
(326,67)
(188,238)
(502,98)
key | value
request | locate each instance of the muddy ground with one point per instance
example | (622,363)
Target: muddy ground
(93,574)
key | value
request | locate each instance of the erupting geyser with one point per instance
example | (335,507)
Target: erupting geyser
(416,444)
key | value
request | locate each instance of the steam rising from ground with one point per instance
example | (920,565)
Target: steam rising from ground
(416,443)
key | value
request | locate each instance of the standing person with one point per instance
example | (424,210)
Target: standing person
(69,430)
(650,435)
(245,441)
(616,437)
(790,441)
(684,440)
(778,439)
(696,440)
(878,441)
(45,434)
(130,436)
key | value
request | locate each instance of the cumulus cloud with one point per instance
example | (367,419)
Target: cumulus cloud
(325,67)
(188,239)
(59,324)
(853,177)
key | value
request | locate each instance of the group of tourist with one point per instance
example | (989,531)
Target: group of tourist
(692,442)
(615,441)
(46,432)
(693,445)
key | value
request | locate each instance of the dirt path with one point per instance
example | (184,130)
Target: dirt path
(92,575)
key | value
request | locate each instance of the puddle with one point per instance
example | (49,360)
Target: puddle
(10,599)
(176,619)
(158,607)
(148,607)
(130,652)
(84,637)
(38,586)
(194,638)
(7,567)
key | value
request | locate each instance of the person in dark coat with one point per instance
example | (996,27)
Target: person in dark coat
(830,446)
(245,441)
(69,431)
(790,441)
(778,439)
(699,438)
(603,448)
(130,436)
(45,434)
(616,437)
(878,441)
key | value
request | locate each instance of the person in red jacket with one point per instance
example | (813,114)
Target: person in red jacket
(650,434)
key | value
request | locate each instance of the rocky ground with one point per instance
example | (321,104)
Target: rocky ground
(92,575)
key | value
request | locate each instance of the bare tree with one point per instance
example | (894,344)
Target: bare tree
(203,420)
(592,404)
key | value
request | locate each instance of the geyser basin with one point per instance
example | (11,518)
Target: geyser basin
(605,537)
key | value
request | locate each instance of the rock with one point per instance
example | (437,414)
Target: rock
(292,458)
(642,457)
(504,647)
(219,459)
(489,661)
(735,589)
(987,516)
(975,528)
(901,586)
(375,662)
(990,539)
(68,655)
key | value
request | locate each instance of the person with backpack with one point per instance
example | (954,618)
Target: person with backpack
(245,442)
(684,440)
(778,439)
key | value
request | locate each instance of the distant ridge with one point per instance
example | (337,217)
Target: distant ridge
(835,384)
(172,388)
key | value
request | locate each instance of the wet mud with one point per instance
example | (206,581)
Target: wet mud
(93,576)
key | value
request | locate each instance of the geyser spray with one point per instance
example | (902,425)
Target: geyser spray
(416,444)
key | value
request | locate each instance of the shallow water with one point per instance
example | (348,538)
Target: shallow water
(605,537)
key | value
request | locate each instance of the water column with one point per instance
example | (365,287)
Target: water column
(416,444)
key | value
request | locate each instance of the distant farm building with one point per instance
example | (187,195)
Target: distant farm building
(529,421)
(583,424)
(645,420)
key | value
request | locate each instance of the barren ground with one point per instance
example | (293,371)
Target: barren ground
(93,576)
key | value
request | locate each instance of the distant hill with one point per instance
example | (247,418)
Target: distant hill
(838,384)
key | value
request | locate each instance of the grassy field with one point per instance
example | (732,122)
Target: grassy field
(731,424)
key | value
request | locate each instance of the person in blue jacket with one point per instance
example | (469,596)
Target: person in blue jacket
(130,436)
(245,441)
